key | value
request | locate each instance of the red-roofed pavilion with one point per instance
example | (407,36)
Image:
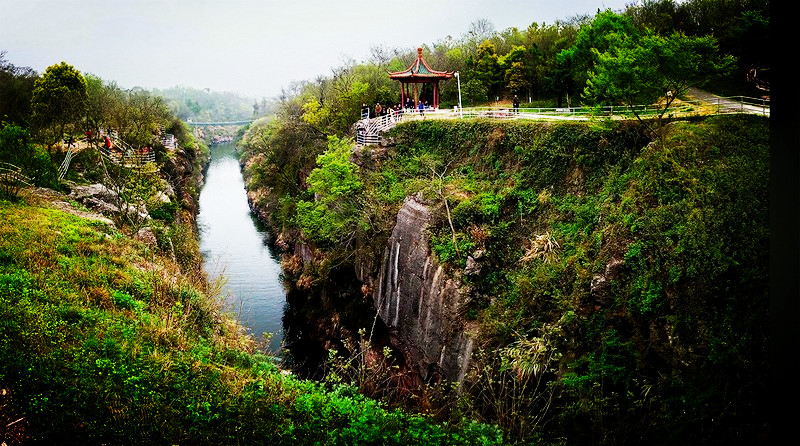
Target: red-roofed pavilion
(419,73)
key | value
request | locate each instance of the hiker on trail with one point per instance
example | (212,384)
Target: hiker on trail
(516,104)
(378,109)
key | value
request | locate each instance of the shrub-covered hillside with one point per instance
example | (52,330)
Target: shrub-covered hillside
(633,275)
(105,341)
(618,284)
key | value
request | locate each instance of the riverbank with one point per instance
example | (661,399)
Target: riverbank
(108,339)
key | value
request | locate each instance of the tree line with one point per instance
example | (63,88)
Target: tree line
(43,113)
(570,62)
(650,53)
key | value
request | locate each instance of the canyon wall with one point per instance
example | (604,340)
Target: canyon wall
(418,299)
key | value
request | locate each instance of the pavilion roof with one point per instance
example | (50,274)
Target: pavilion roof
(420,70)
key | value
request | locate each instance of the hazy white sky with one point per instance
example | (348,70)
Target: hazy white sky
(251,47)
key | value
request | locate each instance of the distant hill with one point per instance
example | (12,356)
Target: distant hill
(205,105)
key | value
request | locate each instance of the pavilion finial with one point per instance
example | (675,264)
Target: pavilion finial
(419,52)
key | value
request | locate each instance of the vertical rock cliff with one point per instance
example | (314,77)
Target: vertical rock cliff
(419,300)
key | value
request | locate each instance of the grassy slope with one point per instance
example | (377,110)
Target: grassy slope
(673,349)
(103,340)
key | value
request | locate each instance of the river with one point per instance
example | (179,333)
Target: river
(234,246)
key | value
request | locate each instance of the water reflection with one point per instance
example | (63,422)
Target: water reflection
(234,245)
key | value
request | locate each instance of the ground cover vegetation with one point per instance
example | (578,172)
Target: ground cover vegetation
(106,340)
(109,337)
(622,294)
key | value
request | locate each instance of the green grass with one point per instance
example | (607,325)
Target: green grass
(104,341)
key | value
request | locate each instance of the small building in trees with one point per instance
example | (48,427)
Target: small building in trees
(420,74)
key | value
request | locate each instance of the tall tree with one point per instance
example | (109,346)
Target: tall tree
(332,215)
(653,68)
(138,115)
(594,38)
(16,89)
(101,102)
(59,101)
(518,70)
(486,68)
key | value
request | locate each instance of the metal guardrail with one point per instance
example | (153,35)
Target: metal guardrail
(369,130)
(12,179)
(122,152)
(741,104)
(62,169)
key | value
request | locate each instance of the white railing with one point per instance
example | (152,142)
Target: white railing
(11,175)
(62,169)
(168,141)
(124,152)
(369,130)
(73,148)
(742,104)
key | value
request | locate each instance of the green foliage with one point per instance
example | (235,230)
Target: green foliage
(16,148)
(452,251)
(642,70)
(475,92)
(59,100)
(332,214)
(98,349)
(596,37)
(486,68)
(16,89)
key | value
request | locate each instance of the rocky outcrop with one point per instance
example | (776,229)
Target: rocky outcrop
(99,198)
(419,300)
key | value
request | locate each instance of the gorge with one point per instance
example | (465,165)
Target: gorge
(586,249)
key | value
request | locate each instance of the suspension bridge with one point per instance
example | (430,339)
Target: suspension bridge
(219,123)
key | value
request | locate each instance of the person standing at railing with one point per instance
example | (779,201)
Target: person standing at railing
(422,108)
(378,109)
(516,104)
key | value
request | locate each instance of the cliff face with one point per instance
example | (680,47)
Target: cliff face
(418,299)
(621,277)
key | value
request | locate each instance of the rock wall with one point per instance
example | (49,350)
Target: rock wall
(419,300)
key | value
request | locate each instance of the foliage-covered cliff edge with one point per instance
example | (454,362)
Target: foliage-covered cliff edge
(112,338)
(580,281)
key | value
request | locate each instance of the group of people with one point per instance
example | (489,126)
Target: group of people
(381,110)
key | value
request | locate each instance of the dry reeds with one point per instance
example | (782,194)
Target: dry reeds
(542,246)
